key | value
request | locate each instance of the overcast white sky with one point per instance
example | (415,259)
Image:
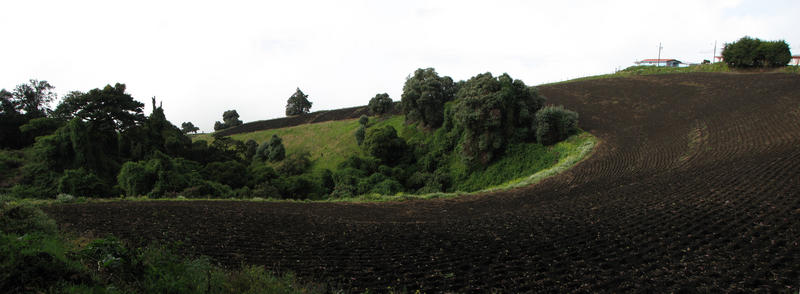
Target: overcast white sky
(201,58)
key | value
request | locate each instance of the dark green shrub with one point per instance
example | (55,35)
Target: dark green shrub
(23,219)
(360,134)
(275,150)
(137,178)
(424,96)
(81,182)
(491,113)
(208,189)
(363,120)
(384,144)
(36,263)
(295,164)
(749,52)
(231,173)
(380,104)
(387,187)
(554,124)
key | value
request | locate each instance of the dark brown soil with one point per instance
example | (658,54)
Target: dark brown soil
(695,187)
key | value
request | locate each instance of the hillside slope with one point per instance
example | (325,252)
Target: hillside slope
(695,187)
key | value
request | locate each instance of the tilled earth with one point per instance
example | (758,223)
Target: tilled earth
(695,187)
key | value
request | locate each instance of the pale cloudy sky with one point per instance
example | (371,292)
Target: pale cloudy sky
(201,58)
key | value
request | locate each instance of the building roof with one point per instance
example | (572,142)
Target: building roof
(658,60)
(795,56)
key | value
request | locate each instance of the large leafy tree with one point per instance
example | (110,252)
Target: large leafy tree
(424,96)
(380,104)
(188,127)
(384,144)
(105,109)
(750,52)
(33,98)
(230,118)
(298,103)
(491,112)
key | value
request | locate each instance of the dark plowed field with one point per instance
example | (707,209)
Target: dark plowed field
(695,186)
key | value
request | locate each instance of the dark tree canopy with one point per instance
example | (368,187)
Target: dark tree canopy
(424,96)
(380,104)
(297,104)
(188,127)
(384,144)
(491,112)
(230,118)
(107,109)
(33,98)
(749,52)
(554,124)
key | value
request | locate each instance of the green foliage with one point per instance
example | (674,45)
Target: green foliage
(155,134)
(109,109)
(298,104)
(295,164)
(554,124)
(230,118)
(424,96)
(360,134)
(384,144)
(276,151)
(188,127)
(10,163)
(137,178)
(251,146)
(41,126)
(33,98)
(82,182)
(363,120)
(490,113)
(380,104)
(231,173)
(23,219)
(749,52)
(159,176)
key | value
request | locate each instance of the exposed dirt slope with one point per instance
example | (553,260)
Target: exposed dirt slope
(695,186)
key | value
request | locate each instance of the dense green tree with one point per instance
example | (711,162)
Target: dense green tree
(26,102)
(188,127)
(384,144)
(107,109)
(276,151)
(491,112)
(298,103)
(424,96)
(554,124)
(33,98)
(81,182)
(230,118)
(360,134)
(363,120)
(380,104)
(750,52)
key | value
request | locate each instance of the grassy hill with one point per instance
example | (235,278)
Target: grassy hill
(329,143)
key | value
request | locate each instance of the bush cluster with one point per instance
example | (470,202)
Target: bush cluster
(748,52)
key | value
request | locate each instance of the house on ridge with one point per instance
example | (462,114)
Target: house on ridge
(660,62)
(795,60)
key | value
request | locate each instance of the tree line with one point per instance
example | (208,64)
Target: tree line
(99,143)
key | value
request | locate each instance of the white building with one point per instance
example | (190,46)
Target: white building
(660,62)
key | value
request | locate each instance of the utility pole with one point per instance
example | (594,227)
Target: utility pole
(658,61)
(714,58)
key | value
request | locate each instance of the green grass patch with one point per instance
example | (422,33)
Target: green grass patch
(329,143)
(653,70)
